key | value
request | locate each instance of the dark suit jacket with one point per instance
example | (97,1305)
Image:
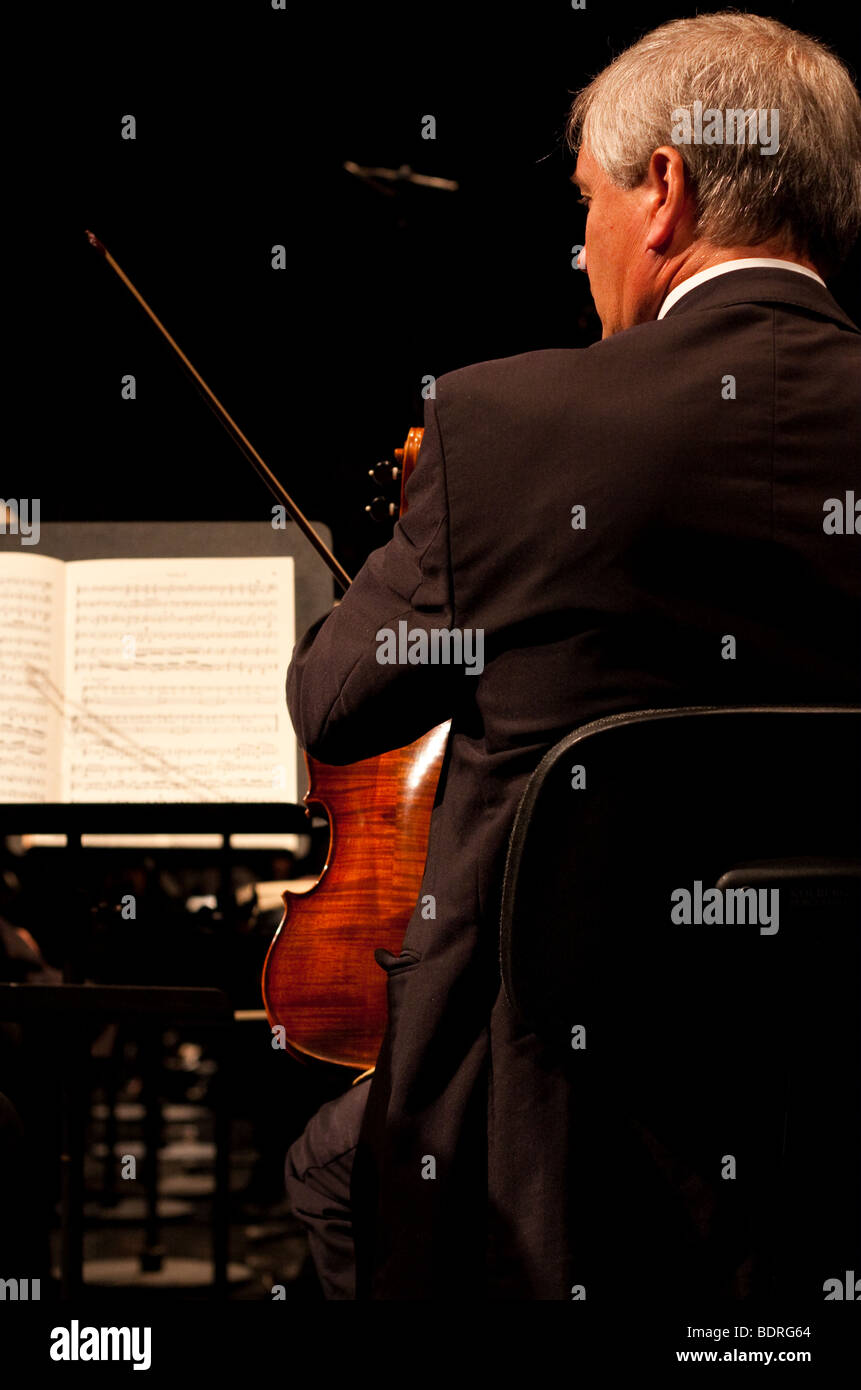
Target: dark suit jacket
(704,518)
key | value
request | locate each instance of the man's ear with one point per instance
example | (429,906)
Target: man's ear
(668,193)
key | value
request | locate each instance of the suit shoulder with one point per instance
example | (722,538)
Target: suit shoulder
(497,375)
(504,376)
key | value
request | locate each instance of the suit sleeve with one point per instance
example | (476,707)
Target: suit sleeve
(345,704)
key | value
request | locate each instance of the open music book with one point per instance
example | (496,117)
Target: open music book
(145,680)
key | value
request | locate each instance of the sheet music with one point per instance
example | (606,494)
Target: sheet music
(32,599)
(174,680)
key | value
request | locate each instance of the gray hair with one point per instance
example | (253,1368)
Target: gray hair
(806,194)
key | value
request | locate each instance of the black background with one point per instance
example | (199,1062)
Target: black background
(245,116)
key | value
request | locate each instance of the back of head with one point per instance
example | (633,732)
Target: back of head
(802,188)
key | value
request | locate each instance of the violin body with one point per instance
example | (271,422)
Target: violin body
(320,979)
(321,982)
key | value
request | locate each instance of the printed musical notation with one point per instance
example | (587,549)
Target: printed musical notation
(248,668)
(196,694)
(32,596)
(147,680)
(202,592)
(183,725)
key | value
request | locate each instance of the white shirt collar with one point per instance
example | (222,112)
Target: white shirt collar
(754,263)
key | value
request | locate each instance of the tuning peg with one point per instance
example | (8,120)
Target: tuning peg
(384,472)
(381,509)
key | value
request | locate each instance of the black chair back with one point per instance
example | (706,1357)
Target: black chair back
(681,919)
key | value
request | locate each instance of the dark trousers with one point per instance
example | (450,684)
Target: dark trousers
(317,1175)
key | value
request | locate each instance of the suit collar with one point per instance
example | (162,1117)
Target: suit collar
(762,286)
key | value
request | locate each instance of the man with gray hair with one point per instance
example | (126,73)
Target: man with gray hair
(665,207)
(606,517)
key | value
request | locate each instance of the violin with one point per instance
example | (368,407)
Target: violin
(320,979)
(321,983)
